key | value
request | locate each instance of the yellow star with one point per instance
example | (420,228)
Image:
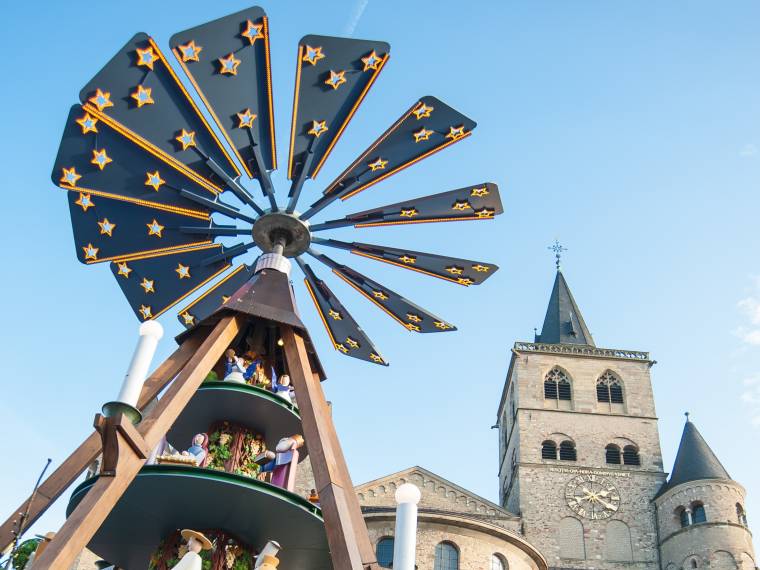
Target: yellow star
(188,318)
(408,259)
(106,227)
(351,342)
(378,164)
(485,213)
(335,315)
(101,99)
(412,327)
(246,119)
(313,55)
(422,112)
(408,213)
(183,271)
(481,268)
(253,32)
(90,251)
(228,65)
(336,79)
(146,57)
(441,325)
(479,192)
(147,284)
(225,298)
(190,51)
(422,135)
(379,295)
(455,132)
(466,281)
(146,312)
(461,205)
(124,270)
(342,348)
(414,318)
(88,123)
(317,128)
(376,358)
(70,176)
(186,139)
(85,201)
(143,96)
(372,61)
(155,229)
(454,270)
(154,180)
(100,158)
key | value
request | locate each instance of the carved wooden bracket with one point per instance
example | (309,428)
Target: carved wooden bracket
(110,429)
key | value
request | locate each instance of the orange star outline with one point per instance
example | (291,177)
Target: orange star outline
(318,128)
(408,213)
(188,318)
(190,51)
(228,65)
(106,227)
(85,201)
(146,312)
(100,158)
(249,34)
(378,164)
(143,96)
(183,271)
(423,111)
(186,139)
(70,176)
(87,122)
(455,133)
(246,119)
(336,79)
(101,99)
(155,229)
(148,285)
(479,192)
(90,251)
(422,135)
(146,57)
(124,269)
(313,54)
(372,61)
(154,180)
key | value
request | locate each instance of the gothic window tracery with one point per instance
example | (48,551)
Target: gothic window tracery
(557,385)
(609,389)
(612,454)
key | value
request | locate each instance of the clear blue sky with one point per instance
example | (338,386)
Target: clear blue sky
(628,130)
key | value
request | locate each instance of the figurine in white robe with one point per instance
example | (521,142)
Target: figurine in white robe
(235,368)
(195,543)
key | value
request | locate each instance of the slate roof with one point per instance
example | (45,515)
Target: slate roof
(564,323)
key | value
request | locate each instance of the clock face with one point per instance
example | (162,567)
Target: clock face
(592,496)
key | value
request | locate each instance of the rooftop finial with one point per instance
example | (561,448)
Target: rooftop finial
(558,249)
(687,415)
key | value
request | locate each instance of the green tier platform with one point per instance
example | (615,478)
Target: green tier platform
(164,498)
(248,406)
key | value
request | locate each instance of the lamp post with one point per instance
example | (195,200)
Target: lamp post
(405,541)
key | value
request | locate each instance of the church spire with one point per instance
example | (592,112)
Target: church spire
(695,460)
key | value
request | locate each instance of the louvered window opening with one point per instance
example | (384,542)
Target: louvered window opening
(557,386)
(567,451)
(608,389)
(548,450)
(612,454)
(631,455)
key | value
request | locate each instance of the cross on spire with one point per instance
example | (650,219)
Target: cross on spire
(558,249)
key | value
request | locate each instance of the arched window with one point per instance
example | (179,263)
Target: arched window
(446,556)
(617,542)
(384,552)
(571,541)
(498,562)
(698,513)
(548,450)
(612,454)
(741,516)
(693,563)
(557,385)
(567,451)
(631,455)
(609,389)
(683,517)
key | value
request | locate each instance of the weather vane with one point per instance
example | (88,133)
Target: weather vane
(558,250)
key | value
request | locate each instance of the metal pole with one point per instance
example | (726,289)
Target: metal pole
(405,540)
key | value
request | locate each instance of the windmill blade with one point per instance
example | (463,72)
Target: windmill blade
(344,332)
(412,317)
(456,270)
(426,128)
(139,94)
(154,284)
(479,202)
(227,61)
(333,75)
(214,297)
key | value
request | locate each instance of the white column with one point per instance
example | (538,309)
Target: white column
(150,333)
(405,540)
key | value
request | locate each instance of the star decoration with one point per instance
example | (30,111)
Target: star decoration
(422,112)
(466,281)
(148,285)
(485,213)
(70,176)
(378,164)
(481,268)
(342,348)
(408,259)
(106,227)
(461,205)
(186,139)
(253,32)
(100,158)
(441,325)
(146,57)
(101,99)
(376,358)
(154,180)
(85,201)
(188,318)
(143,96)
(90,251)
(317,128)
(183,271)
(412,327)
(409,213)
(228,65)
(455,133)
(454,270)
(225,298)
(124,270)
(190,51)
(414,318)
(336,316)
(479,192)
(372,61)
(422,135)
(313,55)
(336,79)
(351,342)
(246,119)
(88,123)
(379,295)
(155,229)
(146,312)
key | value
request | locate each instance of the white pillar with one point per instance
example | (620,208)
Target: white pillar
(405,540)
(150,333)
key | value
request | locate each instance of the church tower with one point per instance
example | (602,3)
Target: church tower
(701,513)
(579,456)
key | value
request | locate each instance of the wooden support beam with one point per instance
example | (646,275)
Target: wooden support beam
(347,535)
(94,507)
(75,464)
